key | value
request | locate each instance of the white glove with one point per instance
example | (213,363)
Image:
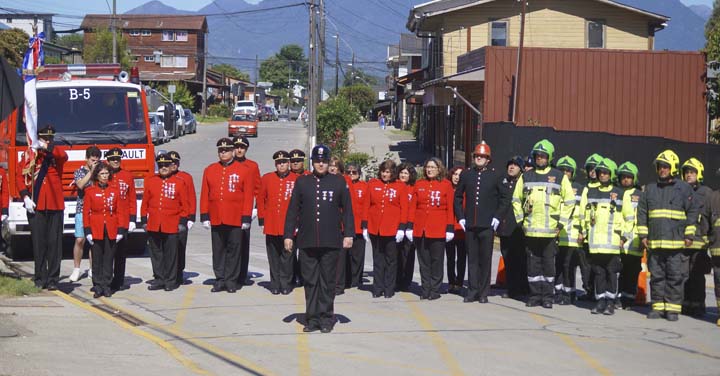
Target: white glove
(206,224)
(3,218)
(399,236)
(119,238)
(245,226)
(449,236)
(409,235)
(29,205)
(365,235)
(495,223)
(462,224)
(190,225)
(254,214)
(131,226)
(89,238)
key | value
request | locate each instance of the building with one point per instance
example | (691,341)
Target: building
(25,22)
(454,97)
(403,59)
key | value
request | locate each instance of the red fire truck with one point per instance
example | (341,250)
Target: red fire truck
(91,104)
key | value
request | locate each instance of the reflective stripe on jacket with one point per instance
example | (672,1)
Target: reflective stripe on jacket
(543,201)
(667,214)
(602,219)
(570,238)
(631,199)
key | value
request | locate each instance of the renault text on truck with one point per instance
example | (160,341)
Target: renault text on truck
(93,104)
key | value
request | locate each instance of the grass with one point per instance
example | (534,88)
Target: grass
(211,119)
(401,132)
(10,286)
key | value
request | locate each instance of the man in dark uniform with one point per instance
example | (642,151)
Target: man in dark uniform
(512,239)
(40,187)
(321,211)
(192,208)
(241,147)
(125,182)
(297,166)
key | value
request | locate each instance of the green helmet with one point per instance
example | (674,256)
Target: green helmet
(543,146)
(568,163)
(629,168)
(609,165)
(593,161)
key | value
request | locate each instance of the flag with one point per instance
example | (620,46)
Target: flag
(33,62)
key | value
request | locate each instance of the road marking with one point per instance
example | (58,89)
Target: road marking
(592,362)
(186,303)
(170,348)
(435,337)
(303,342)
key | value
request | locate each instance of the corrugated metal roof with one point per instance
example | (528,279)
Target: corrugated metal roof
(146,21)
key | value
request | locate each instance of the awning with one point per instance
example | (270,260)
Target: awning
(468,76)
(417,75)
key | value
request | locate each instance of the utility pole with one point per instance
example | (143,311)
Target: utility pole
(114,32)
(257,78)
(337,61)
(312,79)
(204,86)
(352,77)
(518,69)
(321,58)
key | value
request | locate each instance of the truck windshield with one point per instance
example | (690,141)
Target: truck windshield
(90,115)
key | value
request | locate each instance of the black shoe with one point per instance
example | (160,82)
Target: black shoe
(286,291)
(600,307)
(425,296)
(483,300)
(653,315)
(97,294)
(156,287)
(231,289)
(468,299)
(377,294)
(388,296)
(547,305)
(610,309)
(217,288)
(339,292)
(107,293)
(531,303)
(434,296)
(325,329)
(672,316)
(52,286)
(310,328)
(275,291)
(170,287)
(248,282)
(505,295)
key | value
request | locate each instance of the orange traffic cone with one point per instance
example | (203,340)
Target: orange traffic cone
(641,296)
(500,277)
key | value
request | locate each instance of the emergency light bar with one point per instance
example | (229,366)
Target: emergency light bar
(66,72)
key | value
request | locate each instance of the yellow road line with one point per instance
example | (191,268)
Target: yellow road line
(187,301)
(592,362)
(435,337)
(165,345)
(188,337)
(303,341)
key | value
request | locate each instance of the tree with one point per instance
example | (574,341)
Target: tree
(70,41)
(231,71)
(712,49)
(182,95)
(359,77)
(362,97)
(335,117)
(99,49)
(13,44)
(286,66)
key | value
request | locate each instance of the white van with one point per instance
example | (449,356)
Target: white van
(247,107)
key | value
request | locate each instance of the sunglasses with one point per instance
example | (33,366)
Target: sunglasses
(163,165)
(296,160)
(114,159)
(281,161)
(352,172)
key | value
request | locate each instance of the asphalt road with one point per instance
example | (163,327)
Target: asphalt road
(254,332)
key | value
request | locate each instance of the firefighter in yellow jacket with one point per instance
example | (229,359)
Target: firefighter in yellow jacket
(601,214)
(667,217)
(632,252)
(543,201)
(715,244)
(569,240)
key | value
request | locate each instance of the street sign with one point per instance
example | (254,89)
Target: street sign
(171,89)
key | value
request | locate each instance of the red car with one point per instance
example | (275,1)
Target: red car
(243,124)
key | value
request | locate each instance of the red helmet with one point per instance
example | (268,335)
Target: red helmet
(482,149)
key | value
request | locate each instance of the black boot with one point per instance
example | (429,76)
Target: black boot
(610,308)
(600,307)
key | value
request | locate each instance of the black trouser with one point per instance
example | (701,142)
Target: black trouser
(716,277)
(103,253)
(384,264)
(430,253)
(244,257)
(479,244)
(226,244)
(628,283)
(46,228)
(297,272)
(694,295)
(318,269)
(564,270)
(341,270)
(456,254)
(541,268)
(606,268)
(280,262)
(182,247)
(582,260)
(405,265)
(119,264)
(356,256)
(668,273)
(163,255)
(513,252)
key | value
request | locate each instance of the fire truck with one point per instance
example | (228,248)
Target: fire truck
(91,104)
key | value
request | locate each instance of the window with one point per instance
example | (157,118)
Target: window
(167,61)
(146,33)
(134,58)
(181,36)
(168,35)
(134,33)
(498,33)
(149,58)
(595,34)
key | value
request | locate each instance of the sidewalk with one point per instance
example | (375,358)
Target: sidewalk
(367,137)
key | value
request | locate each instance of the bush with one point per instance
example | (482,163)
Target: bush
(359,158)
(335,118)
(219,110)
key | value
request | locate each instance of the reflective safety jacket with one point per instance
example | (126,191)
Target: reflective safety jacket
(602,218)
(703,226)
(543,201)
(568,236)
(631,199)
(715,220)
(667,214)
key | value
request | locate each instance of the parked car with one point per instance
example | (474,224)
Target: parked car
(157,128)
(243,124)
(190,122)
(179,120)
(248,107)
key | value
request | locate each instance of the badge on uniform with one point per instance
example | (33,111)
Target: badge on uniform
(551,179)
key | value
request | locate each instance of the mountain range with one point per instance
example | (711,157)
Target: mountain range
(366,27)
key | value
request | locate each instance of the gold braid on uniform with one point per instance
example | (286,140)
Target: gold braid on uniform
(29,172)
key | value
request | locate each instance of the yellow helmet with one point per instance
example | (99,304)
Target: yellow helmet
(694,164)
(670,158)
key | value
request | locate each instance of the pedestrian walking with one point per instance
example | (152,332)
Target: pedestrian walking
(321,211)
(125,182)
(192,213)
(455,251)
(407,174)
(82,179)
